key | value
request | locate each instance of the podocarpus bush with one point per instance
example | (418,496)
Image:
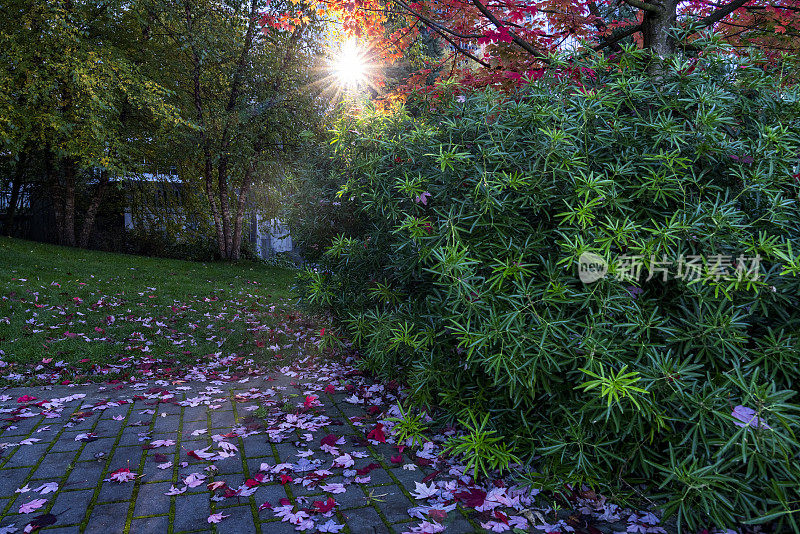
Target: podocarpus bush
(666,380)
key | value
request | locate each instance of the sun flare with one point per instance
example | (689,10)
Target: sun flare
(351,66)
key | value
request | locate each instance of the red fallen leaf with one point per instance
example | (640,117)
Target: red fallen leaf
(366,470)
(325,507)
(265,506)
(377,433)
(472,497)
(26,398)
(251,483)
(70,334)
(397,459)
(423,461)
(501,516)
(329,440)
(309,400)
(99,330)
(214,485)
(438,515)
(330,388)
(284,501)
(285,479)
(430,477)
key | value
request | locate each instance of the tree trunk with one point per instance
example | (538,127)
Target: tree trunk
(224,207)
(16,186)
(657,28)
(91,213)
(212,204)
(240,205)
(67,236)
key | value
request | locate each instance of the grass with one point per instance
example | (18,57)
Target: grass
(71,314)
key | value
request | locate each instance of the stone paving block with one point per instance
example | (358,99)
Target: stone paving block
(54,465)
(365,521)
(107,518)
(393,503)
(152,473)
(195,414)
(11,479)
(115,491)
(229,466)
(151,499)
(169,408)
(85,475)
(22,427)
(191,511)
(168,424)
(91,448)
(66,443)
(240,520)
(130,436)
(126,457)
(108,427)
(27,455)
(71,506)
(277,527)
(354,497)
(222,418)
(154,525)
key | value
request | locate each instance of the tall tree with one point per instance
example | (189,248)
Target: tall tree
(71,92)
(247,90)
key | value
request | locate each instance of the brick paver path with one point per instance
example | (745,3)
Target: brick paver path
(79,436)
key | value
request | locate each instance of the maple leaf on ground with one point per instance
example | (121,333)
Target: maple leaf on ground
(162,443)
(165,465)
(121,475)
(344,460)
(32,506)
(472,497)
(333,488)
(175,491)
(330,526)
(324,507)
(194,480)
(46,488)
(265,506)
(216,518)
(423,492)
(368,469)
(202,454)
(377,433)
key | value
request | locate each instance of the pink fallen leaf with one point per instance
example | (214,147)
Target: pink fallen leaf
(122,475)
(216,518)
(175,491)
(32,506)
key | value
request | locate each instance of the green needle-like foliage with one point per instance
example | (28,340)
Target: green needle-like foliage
(678,370)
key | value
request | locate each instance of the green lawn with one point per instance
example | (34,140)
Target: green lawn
(70,314)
